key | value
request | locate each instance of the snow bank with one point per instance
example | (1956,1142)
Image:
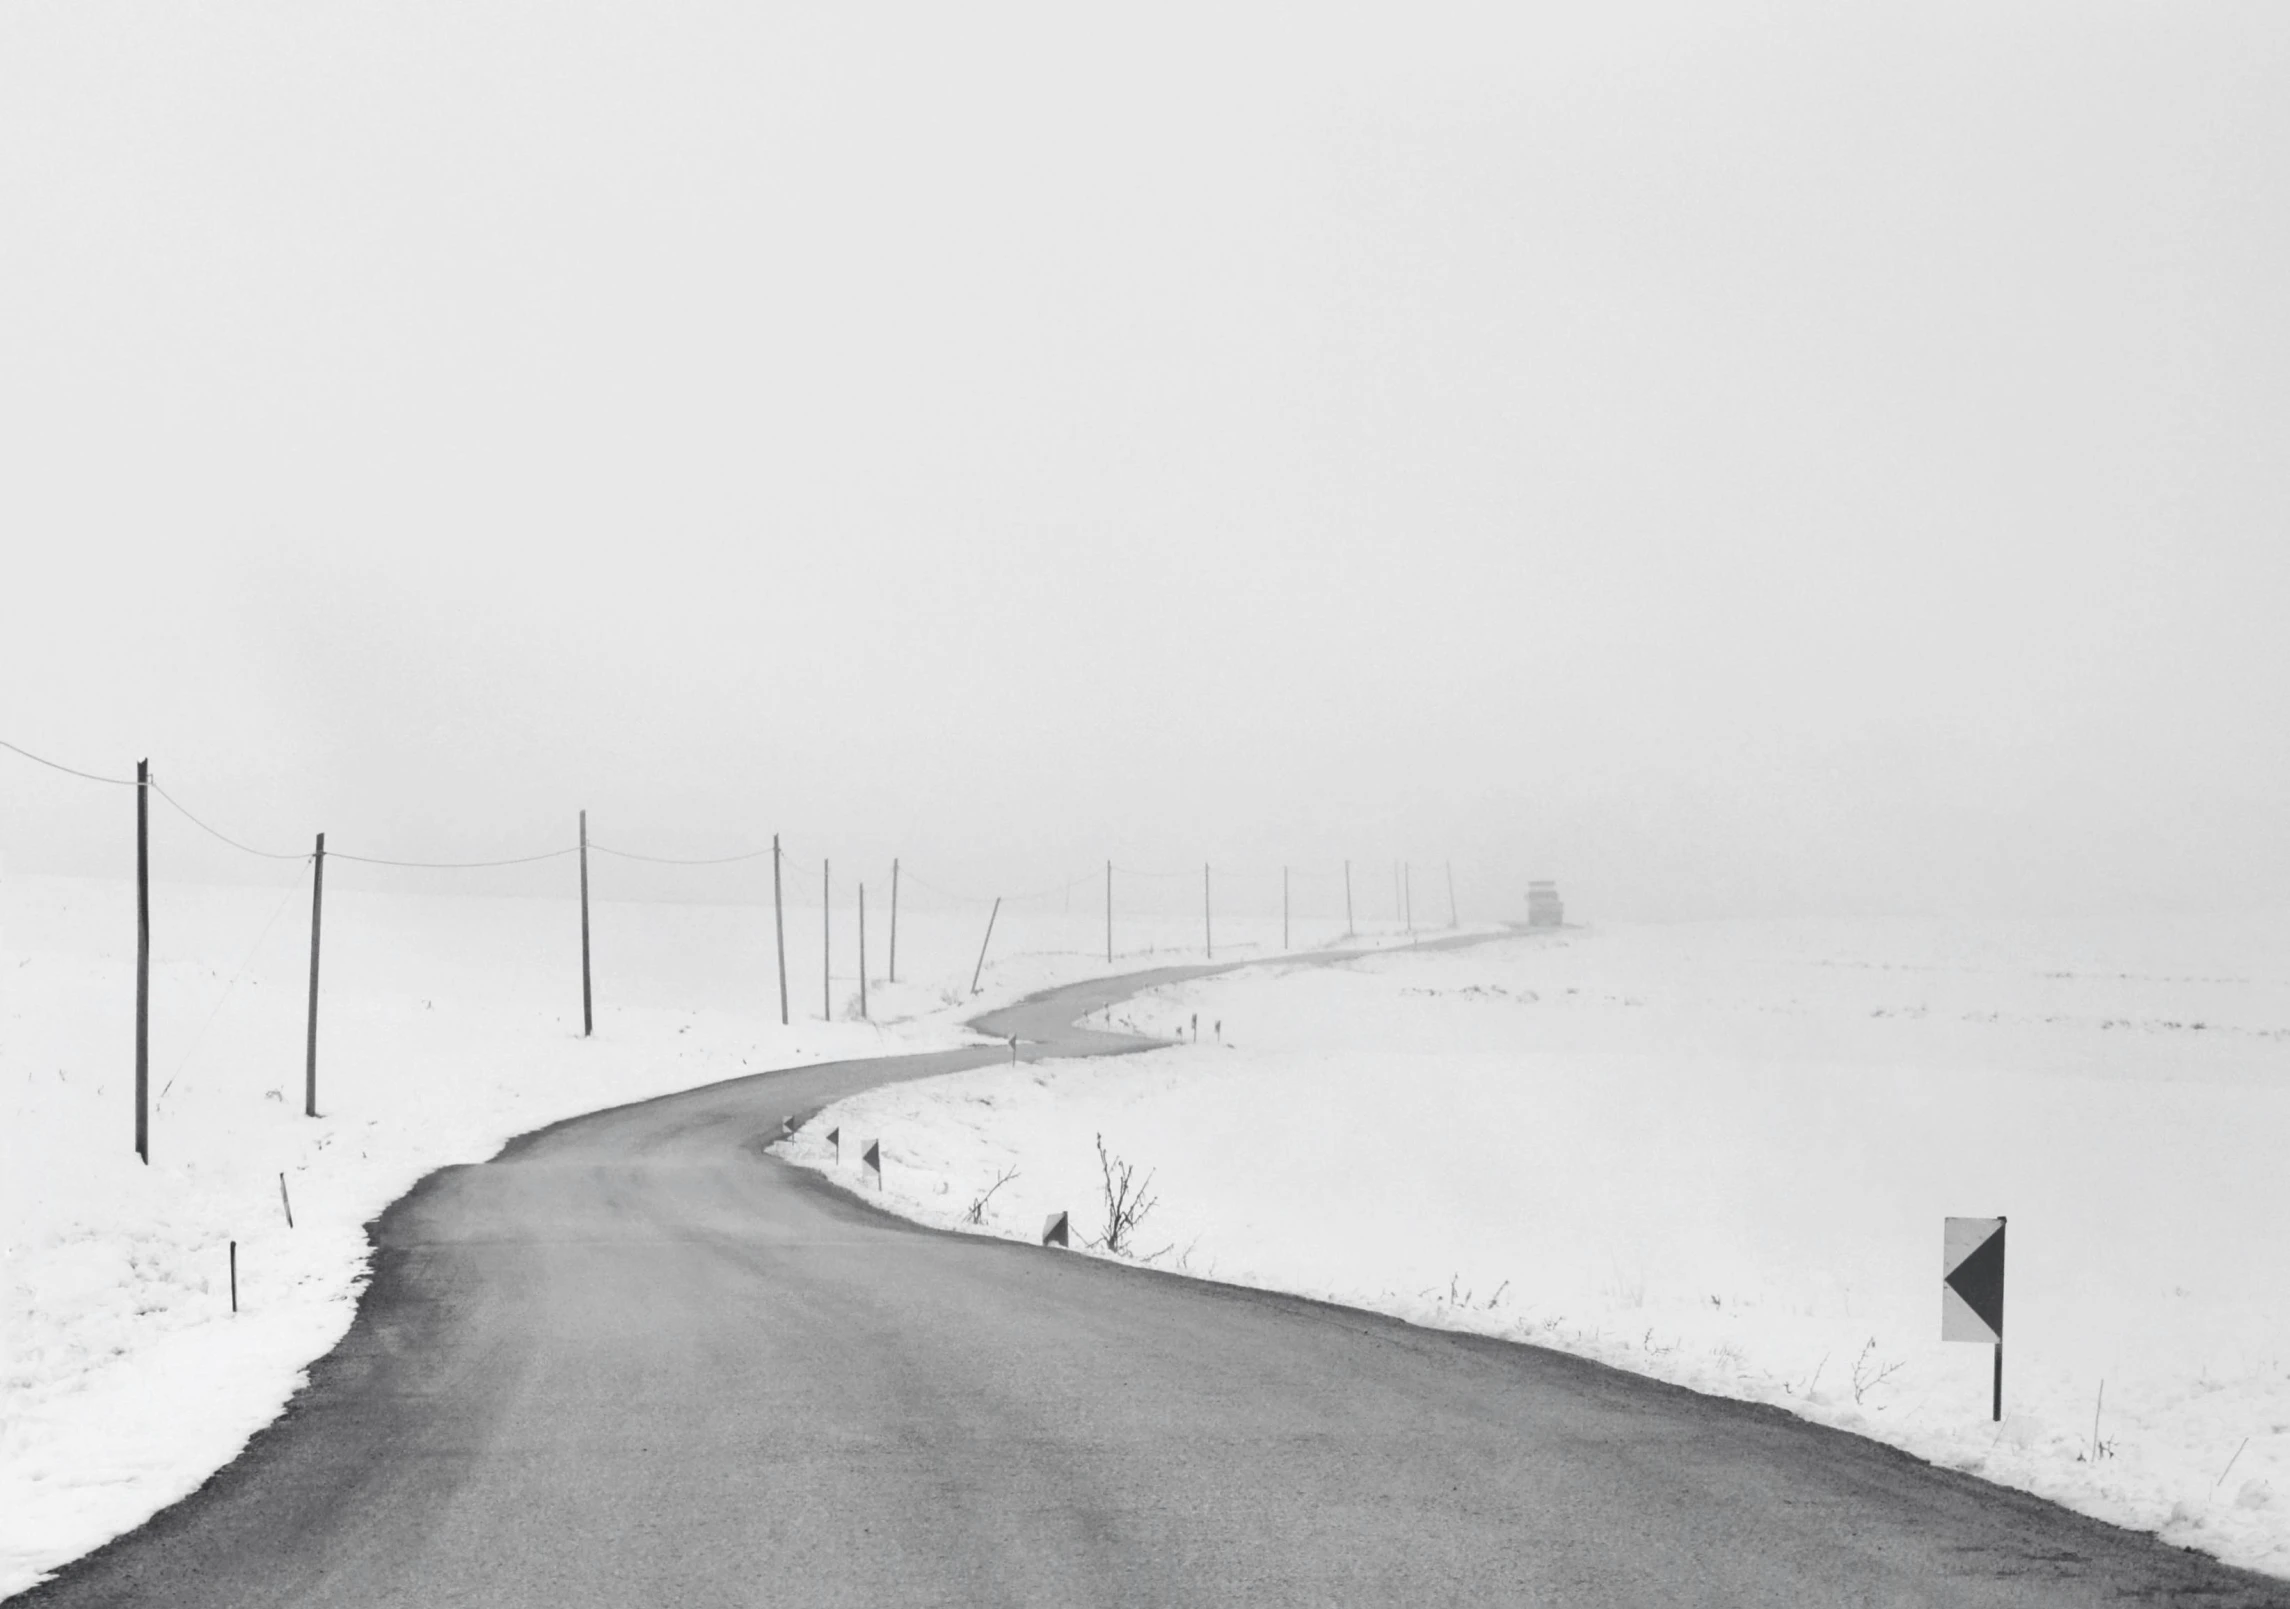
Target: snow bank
(1720,1154)
(449,1026)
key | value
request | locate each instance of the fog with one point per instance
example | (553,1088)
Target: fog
(1779,460)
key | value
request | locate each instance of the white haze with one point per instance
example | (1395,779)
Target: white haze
(1785,459)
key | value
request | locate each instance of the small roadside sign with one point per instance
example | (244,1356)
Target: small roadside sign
(1972,1288)
(873,1158)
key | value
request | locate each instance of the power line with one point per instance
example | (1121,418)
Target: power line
(678,860)
(71,771)
(457,865)
(266,854)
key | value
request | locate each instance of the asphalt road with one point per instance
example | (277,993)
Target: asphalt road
(635,1361)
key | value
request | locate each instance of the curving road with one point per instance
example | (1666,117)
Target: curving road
(634,1361)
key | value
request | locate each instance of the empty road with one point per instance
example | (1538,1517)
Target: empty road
(636,1361)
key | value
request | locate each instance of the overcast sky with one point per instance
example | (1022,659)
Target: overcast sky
(1756,458)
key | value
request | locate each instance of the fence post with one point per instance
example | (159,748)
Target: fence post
(143,960)
(317,911)
(826,940)
(862,952)
(894,919)
(779,929)
(977,971)
(587,998)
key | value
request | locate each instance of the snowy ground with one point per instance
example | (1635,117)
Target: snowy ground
(1720,1154)
(449,1026)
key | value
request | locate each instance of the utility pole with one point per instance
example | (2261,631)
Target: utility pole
(826,942)
(1407,896)
(1452,919)
(894,920)
(1208,923)
(587,999)
(779,928)
(1109,913)
(862,952)
(317,913)
(143,960)
(1284,907)
(1349,929)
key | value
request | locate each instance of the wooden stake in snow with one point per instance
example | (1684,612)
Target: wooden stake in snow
(779,928)
(317,911)
(977,971)
(234,1276)
(587,1000)
(143,960)
(286,1201)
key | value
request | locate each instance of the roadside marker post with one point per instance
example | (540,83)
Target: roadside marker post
(1054,1231)
(1972,1289)
(234,1276)
(873,1158)
(835,1139)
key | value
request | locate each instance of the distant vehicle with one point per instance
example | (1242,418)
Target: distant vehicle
(1543,907)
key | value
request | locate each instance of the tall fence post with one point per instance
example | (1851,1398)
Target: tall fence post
(587,997)
(1109,913)
(862,952)
(143,960)
(826,939)
(317,917)
(894,919)
(979,970)
(1349,929)
(779,929)
(1208,921)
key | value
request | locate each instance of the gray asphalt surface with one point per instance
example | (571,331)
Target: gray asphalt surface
(635,1361)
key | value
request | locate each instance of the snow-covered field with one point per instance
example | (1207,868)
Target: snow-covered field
(449,1025)
(1721,1154)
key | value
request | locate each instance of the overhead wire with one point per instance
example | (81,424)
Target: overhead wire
(266,854)
(68,770)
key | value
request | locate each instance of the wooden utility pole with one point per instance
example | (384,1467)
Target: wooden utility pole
(826,941)
(143,960)
(1109,913)
(1208,922)
(1349,930)
(1452,919)
(862,951)
(779,928)
(1407,896)
(587,997)
(894,921)
(1284,907)
(317,914)
(979,970)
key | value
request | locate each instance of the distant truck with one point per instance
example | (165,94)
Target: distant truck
(1543,907)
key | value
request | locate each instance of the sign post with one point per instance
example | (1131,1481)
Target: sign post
(1972,1289)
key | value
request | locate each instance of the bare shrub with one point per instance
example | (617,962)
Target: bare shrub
(977,1212)
(1126,1201)
(1871,1371)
